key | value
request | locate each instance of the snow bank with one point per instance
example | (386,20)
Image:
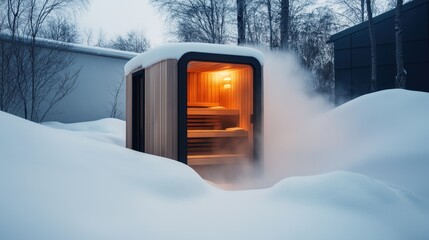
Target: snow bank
(177,50)
(64,184)
(110,130)
(382,135)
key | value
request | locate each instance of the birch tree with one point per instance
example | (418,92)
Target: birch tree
(401,74)
(373,44)
(199,20)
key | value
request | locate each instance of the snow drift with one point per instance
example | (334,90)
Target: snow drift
(79,182)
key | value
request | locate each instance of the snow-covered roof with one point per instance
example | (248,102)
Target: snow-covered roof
(177,50)
(78,48)
(99,51)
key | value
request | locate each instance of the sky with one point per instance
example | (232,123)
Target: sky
(114,17)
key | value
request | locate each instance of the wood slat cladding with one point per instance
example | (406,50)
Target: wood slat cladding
(161,109)
(240,96)
(209,87)
(203,87)
(128,111)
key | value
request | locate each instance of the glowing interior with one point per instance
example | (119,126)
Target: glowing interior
(220,108)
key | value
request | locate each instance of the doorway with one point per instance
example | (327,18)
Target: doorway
(219,113)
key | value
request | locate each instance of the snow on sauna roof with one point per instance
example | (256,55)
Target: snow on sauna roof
(177,50)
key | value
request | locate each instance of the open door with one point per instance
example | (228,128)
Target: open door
(219,113)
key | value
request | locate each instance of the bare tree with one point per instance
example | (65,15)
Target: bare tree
(133,42)
(373,47)
(199,20)
(37,13)
(42,73)
(60,29)
(284,24)
(270,22)
(401,74)
(353,12)
(114,105)
(309,32)
(241,28)
(6,87)
(12,54)
(56,75)
(256,22)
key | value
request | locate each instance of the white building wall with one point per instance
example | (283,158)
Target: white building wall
(93,96)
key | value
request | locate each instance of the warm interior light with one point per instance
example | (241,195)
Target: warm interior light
(227,82)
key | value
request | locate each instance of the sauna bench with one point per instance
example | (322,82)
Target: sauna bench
(216,159)
(216,134)
(212,112)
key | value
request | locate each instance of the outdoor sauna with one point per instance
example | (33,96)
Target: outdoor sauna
(200,104)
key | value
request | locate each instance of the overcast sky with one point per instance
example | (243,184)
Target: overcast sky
(115,17)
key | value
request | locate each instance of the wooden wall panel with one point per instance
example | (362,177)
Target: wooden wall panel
(128,111)
(209,87)
(161,109)
(203,87)
(240,96)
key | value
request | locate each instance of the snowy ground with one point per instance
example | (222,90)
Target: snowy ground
(363,170)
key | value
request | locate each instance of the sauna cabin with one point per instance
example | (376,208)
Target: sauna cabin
(200,104)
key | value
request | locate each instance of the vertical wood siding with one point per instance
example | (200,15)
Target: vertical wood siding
(128,111)
(161,109)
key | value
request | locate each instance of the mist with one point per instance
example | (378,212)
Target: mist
(293,137)
(297,140)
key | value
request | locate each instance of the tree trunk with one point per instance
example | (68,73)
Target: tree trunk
(373,47)
(240,22)
(401,74)
(284,24)
(270,21)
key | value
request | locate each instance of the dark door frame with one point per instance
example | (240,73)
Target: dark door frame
(138,109)
(182,65)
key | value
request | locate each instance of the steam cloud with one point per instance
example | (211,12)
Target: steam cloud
(295,136)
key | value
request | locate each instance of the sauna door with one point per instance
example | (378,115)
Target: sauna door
(219,113)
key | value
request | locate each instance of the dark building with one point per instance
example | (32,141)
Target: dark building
(353,56)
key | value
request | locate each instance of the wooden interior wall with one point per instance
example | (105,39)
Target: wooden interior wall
(161,109)
(240,96)
(209,87)
(203,87)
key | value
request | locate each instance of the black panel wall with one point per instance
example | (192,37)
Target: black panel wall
(353,58)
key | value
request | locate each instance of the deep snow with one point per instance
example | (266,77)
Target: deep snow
(77,181)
